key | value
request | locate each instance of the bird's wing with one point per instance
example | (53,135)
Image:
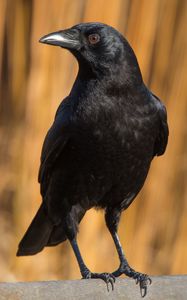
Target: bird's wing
(54,143)
(162,138)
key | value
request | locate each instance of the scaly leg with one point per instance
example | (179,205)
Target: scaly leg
(85,272)
(70,226)
(112,219)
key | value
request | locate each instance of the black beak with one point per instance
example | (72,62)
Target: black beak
(68,39)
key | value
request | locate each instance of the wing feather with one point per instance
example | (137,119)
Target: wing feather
(54,143)
(162,138)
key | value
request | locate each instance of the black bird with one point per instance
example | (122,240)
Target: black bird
(99,149)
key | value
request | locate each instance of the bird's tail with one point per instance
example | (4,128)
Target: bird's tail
(58,235)
(37,235)
(42,232)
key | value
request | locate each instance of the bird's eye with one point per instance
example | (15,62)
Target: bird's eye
(94,38)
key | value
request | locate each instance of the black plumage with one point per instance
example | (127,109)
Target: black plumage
(99,149)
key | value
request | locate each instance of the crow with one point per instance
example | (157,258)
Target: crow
(98,151)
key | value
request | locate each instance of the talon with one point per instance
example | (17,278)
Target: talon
(106,277)
(143,285)
(107,286)
(150,280)
(111,276)
(111,280)
(143,291)
(142,279)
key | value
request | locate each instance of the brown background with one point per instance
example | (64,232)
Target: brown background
(34,79)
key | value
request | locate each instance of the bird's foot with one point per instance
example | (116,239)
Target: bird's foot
(108,278)
(142,279)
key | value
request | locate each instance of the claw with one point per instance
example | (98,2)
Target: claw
(143,291)
(150,280)
(111,279)
(143,281)
(107,278)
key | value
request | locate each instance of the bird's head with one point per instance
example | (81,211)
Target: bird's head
(99,48)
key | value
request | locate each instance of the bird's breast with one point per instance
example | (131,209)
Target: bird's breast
(111,150)
(114,145)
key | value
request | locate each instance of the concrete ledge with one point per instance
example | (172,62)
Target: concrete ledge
(162,288)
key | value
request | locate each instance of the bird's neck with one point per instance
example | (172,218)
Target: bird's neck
(125,78)
(125,74)
(85,89)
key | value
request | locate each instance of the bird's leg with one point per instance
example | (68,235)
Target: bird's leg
(85,272)
(70,227)
(112,219)
(142,279)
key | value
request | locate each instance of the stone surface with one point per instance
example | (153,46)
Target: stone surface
(162,288)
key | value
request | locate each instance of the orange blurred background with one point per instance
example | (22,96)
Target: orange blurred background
(34,79)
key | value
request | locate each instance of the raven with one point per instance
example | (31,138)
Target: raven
(99,149)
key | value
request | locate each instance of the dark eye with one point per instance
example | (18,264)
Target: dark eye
(94,38)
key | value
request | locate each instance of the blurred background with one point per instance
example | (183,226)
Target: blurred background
(34,78)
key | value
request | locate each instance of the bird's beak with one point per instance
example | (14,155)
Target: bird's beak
(68,39)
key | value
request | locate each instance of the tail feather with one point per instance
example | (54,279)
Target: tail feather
(57,236)
(37,235)
(42,232)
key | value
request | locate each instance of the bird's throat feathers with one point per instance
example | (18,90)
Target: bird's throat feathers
(116,82)
(126,70)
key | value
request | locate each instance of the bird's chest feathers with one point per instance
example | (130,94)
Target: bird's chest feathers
(114,125)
